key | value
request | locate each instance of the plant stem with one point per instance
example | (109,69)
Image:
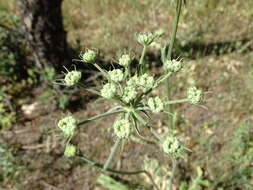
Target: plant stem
(101,166)
(177,101)
(101,70)
(113,152)
(142,66)
(174,166)
(88,89)
(169,56)
(175,27)
(100,116)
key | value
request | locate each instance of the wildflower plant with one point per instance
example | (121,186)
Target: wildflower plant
(132,92)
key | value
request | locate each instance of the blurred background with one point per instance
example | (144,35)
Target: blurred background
(38,38)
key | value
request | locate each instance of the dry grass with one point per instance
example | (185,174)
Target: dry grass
(110,25)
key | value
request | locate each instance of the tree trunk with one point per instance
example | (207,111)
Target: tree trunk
(44,32)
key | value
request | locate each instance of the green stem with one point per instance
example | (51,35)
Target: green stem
(143,122)
(175,27)
(100,116)
(88,89)
(101,166)
(113,152)
(174,166)
(177,101)
(142,66)
(101,70)
(169,56)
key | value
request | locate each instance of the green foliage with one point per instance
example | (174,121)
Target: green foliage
(12,46)
(198,183)
(10,170)
(241,158)
(7,114)
(235,170)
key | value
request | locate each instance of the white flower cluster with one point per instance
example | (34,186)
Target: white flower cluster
(72,78)
(68,125)
(155,104)
(145,39)
(173,66)
(109,91)
(122,128)
(116,75)
(172,146)
(70,150)
(194,95)
(89,56)
(146,81)
(125,60)
(129,94)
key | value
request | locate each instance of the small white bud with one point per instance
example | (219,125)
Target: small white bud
(70,150)
(89,56)
(129,94)
(194,95)
(173,66)
(172,146)
(125,60)
(109,90)
(145,39)
(68,125)
(116,75)
(155,104)
(122,128)
(72,78)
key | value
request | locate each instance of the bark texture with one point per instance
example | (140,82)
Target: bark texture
(44,32)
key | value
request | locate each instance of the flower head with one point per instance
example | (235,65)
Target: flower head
(155,104)
(146,81)
(109,90)
(116,75)
(122,128)
(89,56)
(133,81)
(68,125)
(172,65)
(72,78)
(70,150)
(125,60)
(194,95)
(172,146)
(145,39)
(129,94)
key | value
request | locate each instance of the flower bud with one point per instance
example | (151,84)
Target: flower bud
(122,128)
(172,66)
(194,95)
(129,94)
(116,75)
(68,125)
(155,104)
(109,90)
(172,146)
(145,39)
(72,78)
(146,81)
(89,56)
(125,60)
(70,150)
